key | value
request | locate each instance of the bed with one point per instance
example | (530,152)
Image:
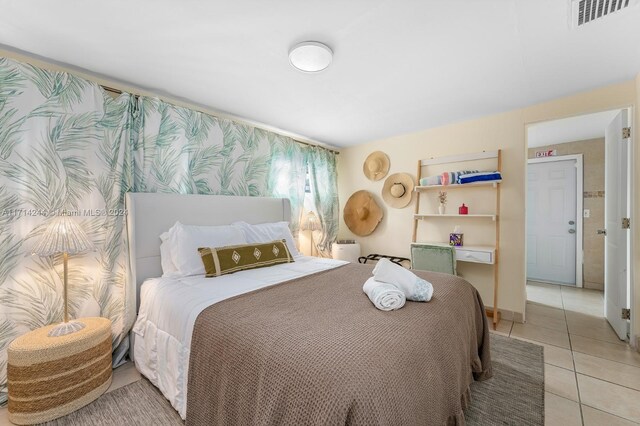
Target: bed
(298,343)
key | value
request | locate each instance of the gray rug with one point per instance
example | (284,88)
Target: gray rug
(514,396)
(139,403)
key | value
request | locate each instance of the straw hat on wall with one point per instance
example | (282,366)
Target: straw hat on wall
(397,190)
(376,166)
(361,213)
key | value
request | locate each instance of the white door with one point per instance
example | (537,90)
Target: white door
(551,222)
(616,239)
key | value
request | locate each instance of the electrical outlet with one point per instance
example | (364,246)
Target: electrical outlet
(587,213)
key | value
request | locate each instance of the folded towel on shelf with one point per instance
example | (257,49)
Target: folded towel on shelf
(431,180)
(479,177)
(413,287)
(385,296)
(450,178)
(445,178)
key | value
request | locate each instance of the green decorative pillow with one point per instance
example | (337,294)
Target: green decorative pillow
(230,259)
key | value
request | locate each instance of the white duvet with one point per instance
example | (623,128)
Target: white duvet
(169,308)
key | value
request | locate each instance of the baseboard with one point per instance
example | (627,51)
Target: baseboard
(489,312)
(506,314)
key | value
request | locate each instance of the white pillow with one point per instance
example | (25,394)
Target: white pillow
(165,254)
(187,239)
(267,232)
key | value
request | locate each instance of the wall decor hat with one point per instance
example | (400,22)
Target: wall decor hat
(376,165)
(397,190)
(361,213)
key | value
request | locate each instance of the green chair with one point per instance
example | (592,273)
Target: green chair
(427,257)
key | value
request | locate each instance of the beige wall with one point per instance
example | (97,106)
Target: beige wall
(505,131)
(593,199)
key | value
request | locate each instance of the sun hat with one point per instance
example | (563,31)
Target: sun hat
(361,213)
(376,165)
(397,190)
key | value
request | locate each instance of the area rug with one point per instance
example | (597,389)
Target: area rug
(514,396)
(139,403)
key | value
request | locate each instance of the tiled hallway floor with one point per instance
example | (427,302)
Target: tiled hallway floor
(591,377)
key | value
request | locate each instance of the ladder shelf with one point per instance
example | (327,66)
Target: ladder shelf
(488,255)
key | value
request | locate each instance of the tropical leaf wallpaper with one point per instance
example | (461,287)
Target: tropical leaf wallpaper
(66,145)
(186,151)
(287,176)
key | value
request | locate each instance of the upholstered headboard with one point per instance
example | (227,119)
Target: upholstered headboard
(151,214)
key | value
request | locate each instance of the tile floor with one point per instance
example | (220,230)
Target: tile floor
(591,377)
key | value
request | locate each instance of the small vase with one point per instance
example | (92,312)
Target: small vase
(441,208)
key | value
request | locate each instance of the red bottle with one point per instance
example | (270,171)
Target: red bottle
(463,209)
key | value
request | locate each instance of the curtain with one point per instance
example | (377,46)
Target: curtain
(64,145)
(67,145)
(186,151)
(323,180)
(287,176)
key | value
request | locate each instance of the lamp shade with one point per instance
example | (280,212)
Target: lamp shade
(311,222)
(62,235)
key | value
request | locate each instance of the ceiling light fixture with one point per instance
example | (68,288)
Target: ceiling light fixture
(310,56)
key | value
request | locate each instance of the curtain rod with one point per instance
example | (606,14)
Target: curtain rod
(119,92)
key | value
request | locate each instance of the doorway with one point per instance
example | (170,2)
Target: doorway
(575,220)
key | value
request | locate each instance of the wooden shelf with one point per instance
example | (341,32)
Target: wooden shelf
(488,255)
(492,183)
(487,216)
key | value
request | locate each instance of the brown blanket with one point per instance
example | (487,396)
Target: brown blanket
(315,351)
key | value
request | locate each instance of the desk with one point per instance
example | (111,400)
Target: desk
(474,254)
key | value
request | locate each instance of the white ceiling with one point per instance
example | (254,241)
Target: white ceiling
(399,66)
(583,127)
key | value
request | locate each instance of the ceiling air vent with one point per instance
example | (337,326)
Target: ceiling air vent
(585,11)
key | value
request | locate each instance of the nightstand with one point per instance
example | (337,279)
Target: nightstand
(49,377)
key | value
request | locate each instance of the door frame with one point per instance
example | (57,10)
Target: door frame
(634,339)
(579,205)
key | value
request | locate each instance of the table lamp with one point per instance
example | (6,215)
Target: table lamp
(311,223)
(63,235)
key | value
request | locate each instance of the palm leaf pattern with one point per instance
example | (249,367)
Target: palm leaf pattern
(187,151)
(287,174)
(12,80)
(323,179)
(66,145)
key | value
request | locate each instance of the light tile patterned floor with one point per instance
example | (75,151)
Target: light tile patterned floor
(591,377)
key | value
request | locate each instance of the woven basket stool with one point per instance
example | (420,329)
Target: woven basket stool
(49,377)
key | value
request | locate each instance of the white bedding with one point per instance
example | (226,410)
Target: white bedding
(168,310)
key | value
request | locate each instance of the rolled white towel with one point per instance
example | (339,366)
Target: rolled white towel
(413,287)
(431,180)
(385,296)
